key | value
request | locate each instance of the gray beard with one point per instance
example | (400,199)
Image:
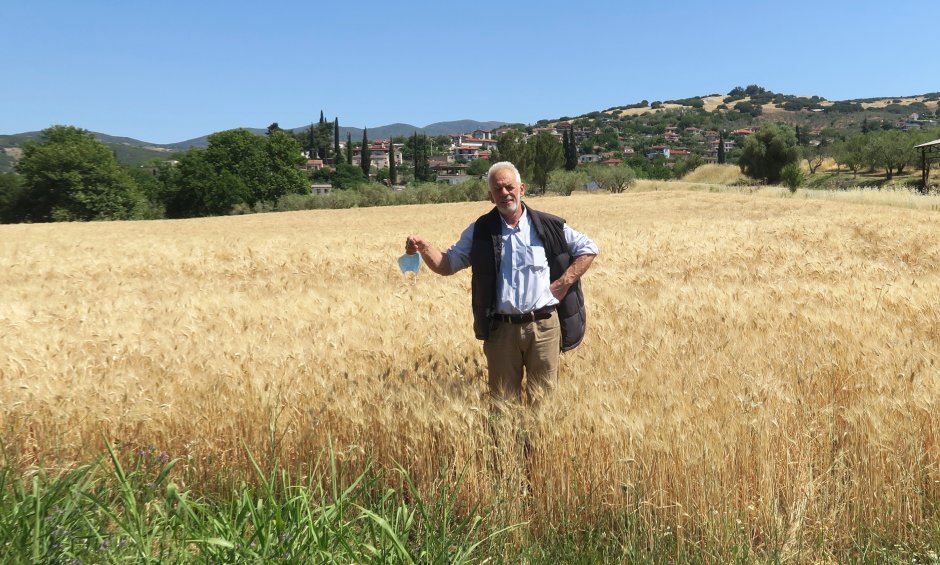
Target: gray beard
(509,208)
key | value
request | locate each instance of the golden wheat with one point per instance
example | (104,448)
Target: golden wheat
(758,370)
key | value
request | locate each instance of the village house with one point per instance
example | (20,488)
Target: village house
(379,151)
(449,172)
(655,150)
(551,131)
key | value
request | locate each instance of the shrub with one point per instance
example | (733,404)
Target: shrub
(792,176)
(565,182)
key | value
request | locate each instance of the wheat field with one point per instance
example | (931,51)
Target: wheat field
(759,371)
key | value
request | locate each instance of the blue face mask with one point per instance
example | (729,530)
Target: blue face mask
(409,263)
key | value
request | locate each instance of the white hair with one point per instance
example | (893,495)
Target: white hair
(504,166)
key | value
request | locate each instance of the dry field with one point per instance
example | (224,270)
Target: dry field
(759,372)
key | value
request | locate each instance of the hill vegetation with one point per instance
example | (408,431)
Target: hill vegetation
(774,138)
(132,152)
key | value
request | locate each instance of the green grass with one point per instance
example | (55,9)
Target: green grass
(129,507)
(105,512)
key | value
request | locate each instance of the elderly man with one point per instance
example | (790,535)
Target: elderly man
(527,300)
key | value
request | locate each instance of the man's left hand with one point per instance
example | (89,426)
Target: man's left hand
(559,289)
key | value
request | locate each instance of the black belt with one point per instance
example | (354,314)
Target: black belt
(540,314)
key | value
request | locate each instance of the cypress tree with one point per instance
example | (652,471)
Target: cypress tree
(392,165)
(336,153)
(365,156)
(564,146)
(349,148)
(721,148)
(414,153)
(322,120)
(425,165)
(311,145)
(571,150)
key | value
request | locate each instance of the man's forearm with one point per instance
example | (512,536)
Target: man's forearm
(579,265)
(435,260)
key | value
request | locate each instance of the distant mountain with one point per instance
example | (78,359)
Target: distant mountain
(439,128)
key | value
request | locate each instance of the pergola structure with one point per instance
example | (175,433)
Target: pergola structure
(929,151)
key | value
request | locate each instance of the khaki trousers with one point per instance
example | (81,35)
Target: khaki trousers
(531,349)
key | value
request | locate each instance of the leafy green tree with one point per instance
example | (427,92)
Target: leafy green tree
(768,151)
(851,153)
(147,179)
(11,198)
(815,155)
(615,178)
(565,182)
(365,156)
(511,148)
(197,188)
(893,150)
(478,167)
(685,165)
(792,176)
(543,154)
(70,176)
(749,108)
(281,174)
(237,167)
(343,176)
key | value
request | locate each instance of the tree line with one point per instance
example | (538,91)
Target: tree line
(774,153)
(68,175)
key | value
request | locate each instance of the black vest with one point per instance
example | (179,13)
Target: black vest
(485,256)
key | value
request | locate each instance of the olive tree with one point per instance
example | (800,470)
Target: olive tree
(768,151)
(615,178)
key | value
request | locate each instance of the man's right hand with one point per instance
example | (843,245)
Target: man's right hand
(433,258)
(415,244)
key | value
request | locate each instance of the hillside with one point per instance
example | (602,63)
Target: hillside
(754,105)
(638,124)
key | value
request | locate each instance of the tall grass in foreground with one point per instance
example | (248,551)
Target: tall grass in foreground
(759,380)
(104,513)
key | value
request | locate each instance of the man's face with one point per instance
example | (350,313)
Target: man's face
(505,192)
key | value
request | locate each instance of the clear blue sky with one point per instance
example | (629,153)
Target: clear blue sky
(167,71)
